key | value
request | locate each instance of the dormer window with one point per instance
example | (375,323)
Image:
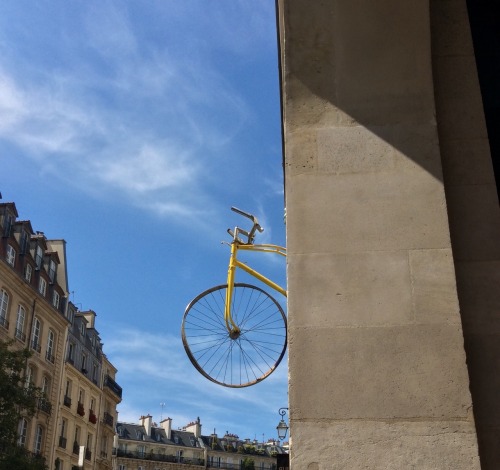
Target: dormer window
(25,241)
(7,221)
(38,257)
(11,255)
(82,328)
(52,270)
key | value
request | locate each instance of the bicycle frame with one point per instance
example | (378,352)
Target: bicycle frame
(234,263)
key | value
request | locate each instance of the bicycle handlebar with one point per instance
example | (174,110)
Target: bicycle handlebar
(250,235)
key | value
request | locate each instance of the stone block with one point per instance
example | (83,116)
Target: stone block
(450,28)
(364,212)
(359,289)
(478,284)
(474,222)
(466,161)
(434,286)
(398,372)
(379,445)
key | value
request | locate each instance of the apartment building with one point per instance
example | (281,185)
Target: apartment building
(33,295)
(75,420)
(148,446)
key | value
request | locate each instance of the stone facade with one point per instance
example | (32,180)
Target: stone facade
(391,222)
(67,362)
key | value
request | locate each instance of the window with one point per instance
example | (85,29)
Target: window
(45,386)
(25,241)
(94,372)
(4,307)
(82,328)
(52,270)
(122,467)
(11,255)
(68,388)
(50,346)
(38,257)
(7,221)
(71,353)
(56,299)
(28,272)
(77,435)
(71,315)
(141,450)
(38,440)
(42,286)
(84,363)
(21,316)
(81,396)
(23,431)
(29,377)
(35,334)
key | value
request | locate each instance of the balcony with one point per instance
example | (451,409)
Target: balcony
(161,458)
(108,419)
(92,417)
(76,448)
(62,442)
(104,454)
(45,405)
(36,346)
(88,454)
(20,335)
(113,386)
(67,401)
(80,409)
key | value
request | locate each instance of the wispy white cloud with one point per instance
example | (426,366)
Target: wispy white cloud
(123,118)
(156,363)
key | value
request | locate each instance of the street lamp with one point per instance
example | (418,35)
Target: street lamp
(282,427)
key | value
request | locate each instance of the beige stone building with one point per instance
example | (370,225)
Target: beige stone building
(76,418)
(89,396)
(393,230)
(147,446)
(32,313)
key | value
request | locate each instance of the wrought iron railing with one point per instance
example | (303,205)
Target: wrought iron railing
(113,386)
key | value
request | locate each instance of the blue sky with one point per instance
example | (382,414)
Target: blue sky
(129,129)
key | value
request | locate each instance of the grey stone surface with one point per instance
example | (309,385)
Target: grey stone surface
(385,445)
(359,212)
(400,372)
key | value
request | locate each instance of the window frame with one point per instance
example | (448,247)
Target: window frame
(22,437)
(51,341)
(42,286)
(4,308)
(36,334)
(19,331)
(28,273)
(10,255)
(38,442)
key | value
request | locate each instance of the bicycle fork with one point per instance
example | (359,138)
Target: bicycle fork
(232,328)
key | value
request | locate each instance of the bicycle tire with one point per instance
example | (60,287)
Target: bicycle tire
(243,361)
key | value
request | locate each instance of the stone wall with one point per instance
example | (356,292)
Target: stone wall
(377,366)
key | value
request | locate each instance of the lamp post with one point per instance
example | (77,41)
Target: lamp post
(282,427)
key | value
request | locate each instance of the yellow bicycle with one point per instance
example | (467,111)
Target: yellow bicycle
(236,334)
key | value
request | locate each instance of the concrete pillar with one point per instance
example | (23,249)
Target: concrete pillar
(377,366)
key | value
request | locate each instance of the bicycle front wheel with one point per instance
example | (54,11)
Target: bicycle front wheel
(246,359)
